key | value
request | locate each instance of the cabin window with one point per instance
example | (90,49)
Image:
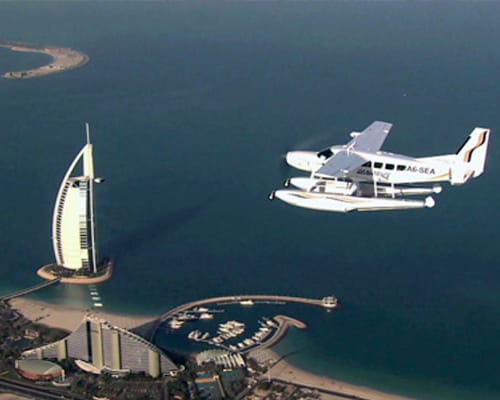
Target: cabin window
(389,166)
(324,154)
(378,165)
(401,167)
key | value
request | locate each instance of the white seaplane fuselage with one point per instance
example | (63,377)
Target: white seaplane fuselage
(387,168)
(358,176)
(374,186)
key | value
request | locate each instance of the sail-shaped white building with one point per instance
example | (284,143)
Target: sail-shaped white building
(73,226)
(73,222)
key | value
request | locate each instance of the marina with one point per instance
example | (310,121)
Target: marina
(233,335)
(229,334)
(193,311)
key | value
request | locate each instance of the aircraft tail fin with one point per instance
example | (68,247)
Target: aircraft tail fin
(471,157)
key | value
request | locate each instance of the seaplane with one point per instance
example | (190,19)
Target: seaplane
(358,176)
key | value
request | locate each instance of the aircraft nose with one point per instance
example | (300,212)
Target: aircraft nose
(291,158)
(301,159)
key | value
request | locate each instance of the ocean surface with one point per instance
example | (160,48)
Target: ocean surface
(192,106)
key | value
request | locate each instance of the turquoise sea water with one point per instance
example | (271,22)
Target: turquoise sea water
(192,106)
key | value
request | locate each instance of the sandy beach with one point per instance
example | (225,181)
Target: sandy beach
(289,373)
(63,59)
(69,318)
(12,396)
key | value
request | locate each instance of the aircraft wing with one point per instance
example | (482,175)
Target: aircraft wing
(341,164)
(372,138)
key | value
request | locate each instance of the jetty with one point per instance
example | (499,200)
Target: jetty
(246,297)
(31,289)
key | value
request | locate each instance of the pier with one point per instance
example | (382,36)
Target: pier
(29,290)
(244,297)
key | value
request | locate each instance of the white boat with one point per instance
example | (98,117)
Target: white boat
(206,316)
(185,317)
(175,324)
(233,328)
(246,302)
(195,335)
(234,324)
(271,323)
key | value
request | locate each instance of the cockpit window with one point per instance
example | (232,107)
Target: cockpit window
(325,154)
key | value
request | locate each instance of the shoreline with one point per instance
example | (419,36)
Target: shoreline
(63,59)
(69,318)
(330,388)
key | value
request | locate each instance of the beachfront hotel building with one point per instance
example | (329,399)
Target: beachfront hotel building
(73,223)
(98,346)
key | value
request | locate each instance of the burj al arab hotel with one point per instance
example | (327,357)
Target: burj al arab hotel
(73,221)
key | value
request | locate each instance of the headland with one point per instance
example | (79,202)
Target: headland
(63,59)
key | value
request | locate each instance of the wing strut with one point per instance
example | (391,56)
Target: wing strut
(374,180)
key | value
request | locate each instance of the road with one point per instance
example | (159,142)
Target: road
(35,391)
